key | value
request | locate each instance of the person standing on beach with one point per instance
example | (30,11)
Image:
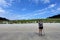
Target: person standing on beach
(40,24)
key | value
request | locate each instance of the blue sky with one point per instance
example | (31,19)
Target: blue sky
(28,9)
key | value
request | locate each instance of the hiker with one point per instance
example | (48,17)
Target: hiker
(40,24)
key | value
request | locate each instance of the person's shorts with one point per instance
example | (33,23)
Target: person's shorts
(40,27)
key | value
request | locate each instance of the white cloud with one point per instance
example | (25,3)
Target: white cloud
(52,5)
(17,17)
(4,13)
(37,1)
(2,10)
(43,11)
(58,9)
(34,14)
(4,3)
(46,1)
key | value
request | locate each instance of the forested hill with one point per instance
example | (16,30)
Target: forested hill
(55,16)
(3,19)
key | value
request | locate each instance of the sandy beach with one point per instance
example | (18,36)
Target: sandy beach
(29,31)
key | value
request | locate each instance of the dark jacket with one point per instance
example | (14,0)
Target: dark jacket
(40,24)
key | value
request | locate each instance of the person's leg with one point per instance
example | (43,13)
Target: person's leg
(40,31)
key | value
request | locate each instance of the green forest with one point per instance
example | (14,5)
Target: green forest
(52,19)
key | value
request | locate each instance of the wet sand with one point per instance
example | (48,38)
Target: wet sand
(29,31)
